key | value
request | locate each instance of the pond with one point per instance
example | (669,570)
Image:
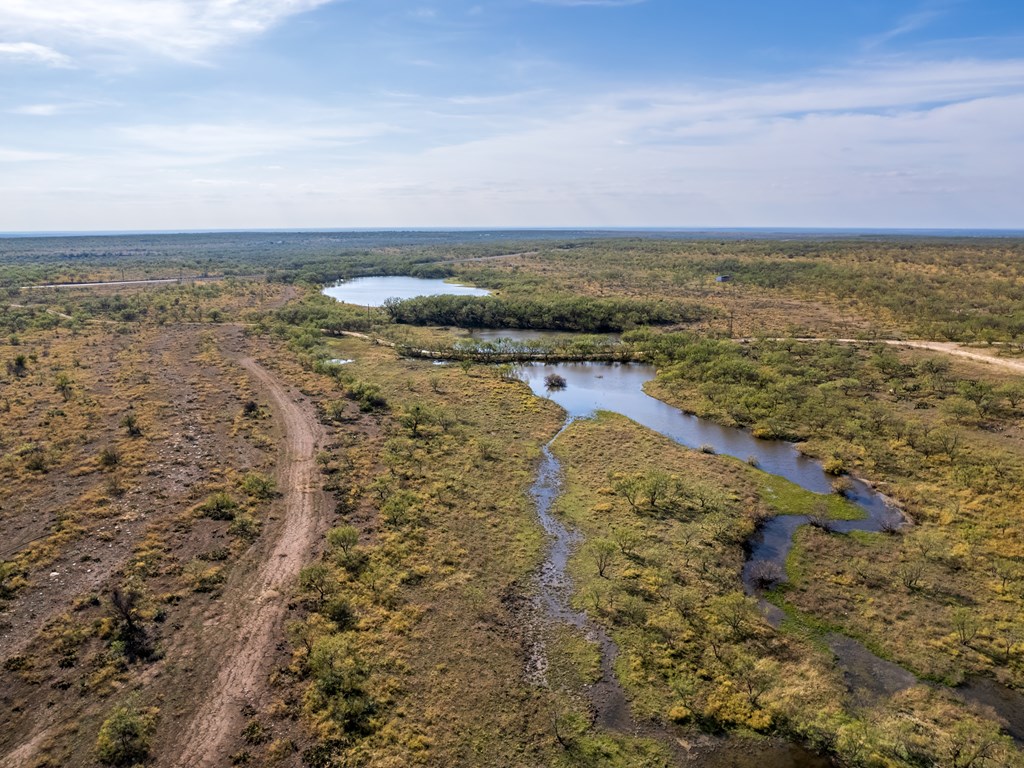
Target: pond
(374,291)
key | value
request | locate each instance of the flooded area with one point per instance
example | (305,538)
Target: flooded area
(607,698)
(591,387)
(374,291)
(618,387)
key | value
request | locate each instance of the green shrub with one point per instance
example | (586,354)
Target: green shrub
(125,735)
(220,506)
(258,485)
(369,396)
(245,526)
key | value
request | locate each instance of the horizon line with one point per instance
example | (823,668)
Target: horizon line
(907,231)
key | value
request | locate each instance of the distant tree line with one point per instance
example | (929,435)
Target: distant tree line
(557,313)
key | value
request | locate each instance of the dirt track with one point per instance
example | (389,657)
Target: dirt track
(952,348)
(261,607)
(946,347)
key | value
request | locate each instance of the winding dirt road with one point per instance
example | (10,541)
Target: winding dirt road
(261,607)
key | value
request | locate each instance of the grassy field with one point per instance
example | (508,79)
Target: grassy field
(145,464)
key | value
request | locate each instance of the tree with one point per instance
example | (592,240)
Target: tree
(629,488)
(318,579)
(981,393)
(966,625)
(603,553)
(416,416)
(126,606)
(343,537)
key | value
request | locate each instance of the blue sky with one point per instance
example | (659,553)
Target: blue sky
(174,114)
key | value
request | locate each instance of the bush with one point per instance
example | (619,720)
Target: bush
(245,526)
(220,506)
(124,736)
(259,486)
(110,457)
(554,381)
(369,396)
(131,424)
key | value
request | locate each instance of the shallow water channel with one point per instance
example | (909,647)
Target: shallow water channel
(591,387)
(596,386)
(618,388)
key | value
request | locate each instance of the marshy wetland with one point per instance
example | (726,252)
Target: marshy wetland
(734,546)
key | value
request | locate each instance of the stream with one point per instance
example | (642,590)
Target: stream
(618,388)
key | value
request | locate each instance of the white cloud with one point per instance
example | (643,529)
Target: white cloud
(183,29)
(205,143)
(9,155)
(37,110)
(891,143)
(33,52)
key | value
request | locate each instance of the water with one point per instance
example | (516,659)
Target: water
(374,291)
(619,388)
(608,699)
(553,599)
(520,334)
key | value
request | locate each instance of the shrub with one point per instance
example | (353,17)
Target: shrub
(35,460)
(125,735)
(554,381)
(131,424)
(259,486)
(18,365)
(834,465)
(245,526)
(369,396)
(220,506)
(110,457)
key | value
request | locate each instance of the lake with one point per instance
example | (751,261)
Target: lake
(374,291)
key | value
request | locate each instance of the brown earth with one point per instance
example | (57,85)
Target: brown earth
(258,611)
(215,649)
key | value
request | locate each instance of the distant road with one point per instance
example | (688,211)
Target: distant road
(125,282)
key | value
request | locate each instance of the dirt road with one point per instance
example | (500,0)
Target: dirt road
(952,348)
(262,606)
(945,347)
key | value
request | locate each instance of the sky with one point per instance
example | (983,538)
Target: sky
(237,114)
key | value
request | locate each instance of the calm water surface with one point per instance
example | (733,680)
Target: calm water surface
(374,291)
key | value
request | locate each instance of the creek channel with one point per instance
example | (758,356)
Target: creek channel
(618,388)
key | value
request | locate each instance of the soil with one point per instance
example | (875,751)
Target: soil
(216,650)
(258,610)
